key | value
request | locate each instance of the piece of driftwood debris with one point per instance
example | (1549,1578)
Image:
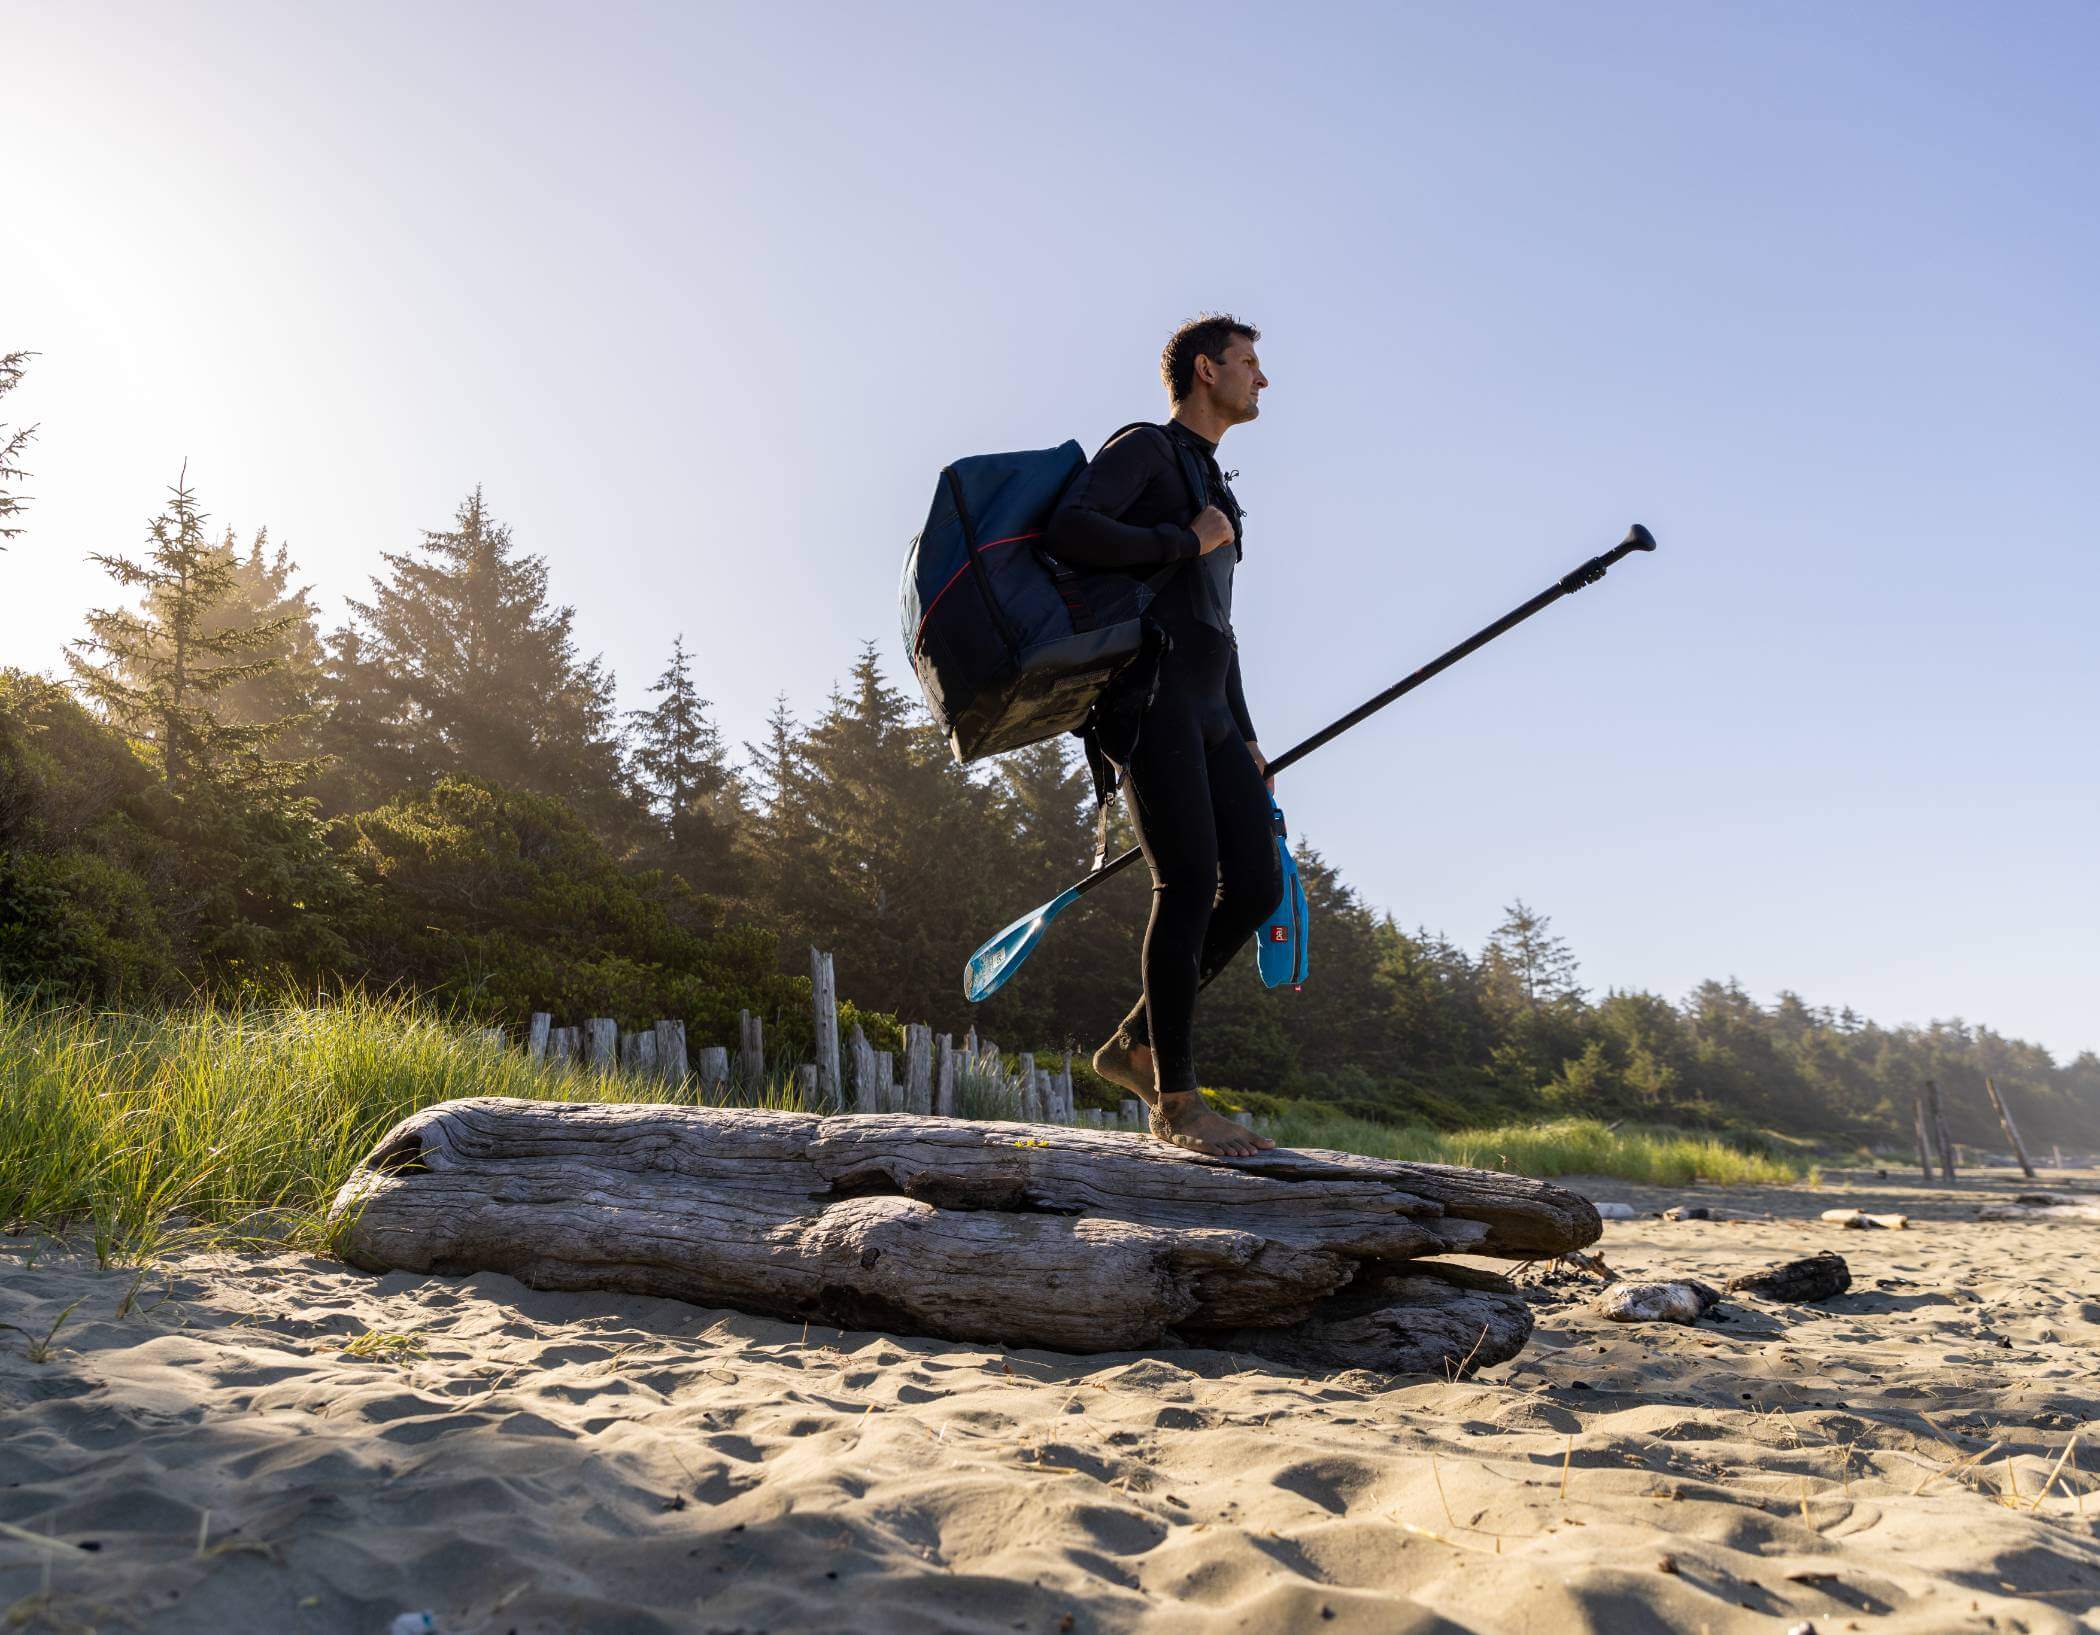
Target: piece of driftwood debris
(1616,1212)
(2081,1211)
(1075,1239)
(1814,1277)
(1688,1212)
(1684,1301)
(1859,1220)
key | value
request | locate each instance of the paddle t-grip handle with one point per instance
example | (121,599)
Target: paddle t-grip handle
(1637,539)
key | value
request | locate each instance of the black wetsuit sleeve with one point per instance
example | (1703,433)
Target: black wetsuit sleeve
(1236,698)
(1088,528)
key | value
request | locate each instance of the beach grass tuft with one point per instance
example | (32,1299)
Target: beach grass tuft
(1658,1155)
(142,1133)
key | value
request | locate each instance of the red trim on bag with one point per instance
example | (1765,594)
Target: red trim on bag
(918,639)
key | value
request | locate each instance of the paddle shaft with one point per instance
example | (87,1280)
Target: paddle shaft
(1638,539)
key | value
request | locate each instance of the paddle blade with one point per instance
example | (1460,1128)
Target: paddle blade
(998,959)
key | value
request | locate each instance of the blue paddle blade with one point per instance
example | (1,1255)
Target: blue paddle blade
(998,959)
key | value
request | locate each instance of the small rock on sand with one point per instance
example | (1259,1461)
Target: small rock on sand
(1616,1212)
(1680,1302)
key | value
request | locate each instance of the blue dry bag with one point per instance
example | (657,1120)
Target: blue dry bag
(1283,949)
(1010,644)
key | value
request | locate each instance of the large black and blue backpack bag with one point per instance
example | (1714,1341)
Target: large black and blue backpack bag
(1011,645)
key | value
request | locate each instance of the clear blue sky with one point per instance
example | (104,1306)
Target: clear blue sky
(705,297)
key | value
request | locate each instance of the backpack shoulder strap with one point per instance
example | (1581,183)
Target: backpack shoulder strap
(1135,425)
(1185,462)
(1180,453)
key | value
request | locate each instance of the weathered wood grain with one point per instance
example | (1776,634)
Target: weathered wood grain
(824,1012)
(1040,1234)
(751,1048)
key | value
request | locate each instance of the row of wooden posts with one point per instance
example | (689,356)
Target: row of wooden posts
(939,1072)
(1934,1140)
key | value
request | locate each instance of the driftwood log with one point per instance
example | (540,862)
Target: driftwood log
(1038,1235)
(1815,1277)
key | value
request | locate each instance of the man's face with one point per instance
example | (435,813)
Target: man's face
(1236,379)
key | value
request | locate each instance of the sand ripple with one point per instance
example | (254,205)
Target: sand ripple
(536,1462)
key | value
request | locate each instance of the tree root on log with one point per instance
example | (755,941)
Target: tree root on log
(1037,1235)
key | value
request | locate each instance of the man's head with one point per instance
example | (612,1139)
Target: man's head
(1209,366)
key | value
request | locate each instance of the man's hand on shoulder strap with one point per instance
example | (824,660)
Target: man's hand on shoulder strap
(1213,529)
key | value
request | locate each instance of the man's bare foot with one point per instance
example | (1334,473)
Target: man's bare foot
(1130,1066)
(1186,1120)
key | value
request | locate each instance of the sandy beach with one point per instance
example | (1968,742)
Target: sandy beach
(273,1442)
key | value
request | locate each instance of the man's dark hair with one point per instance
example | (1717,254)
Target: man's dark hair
(1208,334)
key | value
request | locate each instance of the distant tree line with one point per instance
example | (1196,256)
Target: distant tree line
(441,797)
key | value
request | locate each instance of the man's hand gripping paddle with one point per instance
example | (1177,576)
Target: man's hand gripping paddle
(999,958)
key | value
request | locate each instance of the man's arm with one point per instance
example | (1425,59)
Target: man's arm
(1087,527)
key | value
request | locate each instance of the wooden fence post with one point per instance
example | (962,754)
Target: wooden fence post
(1942,1140)
(824,1008)
(918,1068)
(970,1044)
(865,1096)
(670,1052)
(1132,1112)
(2011,1134)
(944,1078)
(751,1049)
(536,1036)
(1924,1140)
(2056,1156)
(638,1053)
(601,1042)
(714,1070)
(806,1085)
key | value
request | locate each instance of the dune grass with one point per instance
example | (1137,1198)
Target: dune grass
(211,1114)
(144,1130)
(1561,1146)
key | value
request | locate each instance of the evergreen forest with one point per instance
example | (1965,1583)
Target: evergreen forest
(441,799)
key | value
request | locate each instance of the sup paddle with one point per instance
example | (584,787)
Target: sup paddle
(989,968)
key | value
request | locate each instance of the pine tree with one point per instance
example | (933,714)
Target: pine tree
(677,765)
(1082,980)
(12,367)
(776,848)
(164,668)
(475,672)
(281,694)
(359,737)
(1530,966)
(877,847)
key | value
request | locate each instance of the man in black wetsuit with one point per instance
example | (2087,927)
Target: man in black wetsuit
(1196,773)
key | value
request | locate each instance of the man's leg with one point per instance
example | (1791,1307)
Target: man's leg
(1249,885)
(1169,782)
(1248,882)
